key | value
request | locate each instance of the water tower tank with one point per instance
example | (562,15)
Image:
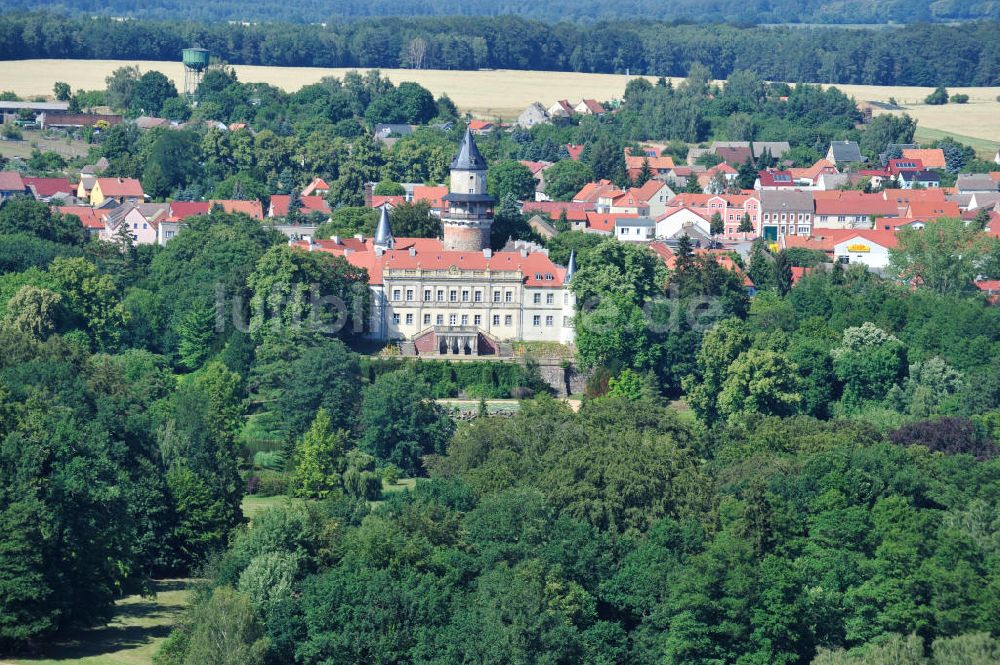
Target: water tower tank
(195,58)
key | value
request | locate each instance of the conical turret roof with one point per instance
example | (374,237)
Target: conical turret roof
(571,266)
(468,157)
(383,234)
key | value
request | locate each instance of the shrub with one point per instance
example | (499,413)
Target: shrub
(959,99)
(951,436)
(938,97)
(268,483)
(362,484)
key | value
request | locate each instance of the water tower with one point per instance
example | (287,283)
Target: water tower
(195,63)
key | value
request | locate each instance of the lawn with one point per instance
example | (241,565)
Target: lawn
(132,637)
(33,138)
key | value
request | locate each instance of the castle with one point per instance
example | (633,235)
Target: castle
(454,295)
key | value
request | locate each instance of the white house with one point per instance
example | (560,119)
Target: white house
(869,248)
(635,229)
(682,219)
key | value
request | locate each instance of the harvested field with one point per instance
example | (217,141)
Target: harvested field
(503,93)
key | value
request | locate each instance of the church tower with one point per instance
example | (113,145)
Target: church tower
(469,216)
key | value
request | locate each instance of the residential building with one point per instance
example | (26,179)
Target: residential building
(923,178)
(730,207)
(931,158)
(310,204)
(844,152)
(754,149)
(868,248)
(682,221)
(774,179)
(317,187)
(589,107)
(976,182)
(562,109)
(119,190)
(535,114)
(658,164)
(850,209)
(11,184)
(785,212)
(47,189)
(635,229)
(141,220)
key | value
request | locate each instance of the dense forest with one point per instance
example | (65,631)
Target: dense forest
(757,11)
(923,54)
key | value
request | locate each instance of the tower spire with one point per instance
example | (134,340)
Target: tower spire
(468,158)
(571,266)
(383,234)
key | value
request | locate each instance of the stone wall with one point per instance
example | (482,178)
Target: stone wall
(564,378)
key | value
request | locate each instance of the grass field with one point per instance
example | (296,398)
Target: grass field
(501,93)
(132,637)
(34,138)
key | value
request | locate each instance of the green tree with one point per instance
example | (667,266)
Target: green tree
(399,422)
(716,225)
(938,97)
(319,458)
(62,91)
(33,311)
(746,226)
(120,85)
(150,92)
(195,335)
(869,362)
(945,256)
(720,348)
(226,631)
(760,382)
(388,188)
(510,177)
(629,385)
(565,178)
(414,220)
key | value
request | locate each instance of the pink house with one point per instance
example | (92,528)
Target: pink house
(731,207)
(141,219)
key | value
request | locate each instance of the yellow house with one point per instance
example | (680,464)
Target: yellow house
(122,190)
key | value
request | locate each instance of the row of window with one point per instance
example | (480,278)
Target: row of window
(477,320)
(803,217)
(477,296)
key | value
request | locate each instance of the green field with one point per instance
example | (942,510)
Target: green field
(985,149)
(132,637)
(69,149)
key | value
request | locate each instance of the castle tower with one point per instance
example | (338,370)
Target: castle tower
(469,216)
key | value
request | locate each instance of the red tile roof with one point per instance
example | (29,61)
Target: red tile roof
(433,195)
(535,167)
(47,187)
(279,204)
(479,125)
(10,181)
(775,178)
(853,202)
(181,210)
(931,158)
(594,106)
(393,201)
(554,209)
(126,187)
(933,209)
(316,184)
(429,255)
(592,191)
(88,216)
(604,222)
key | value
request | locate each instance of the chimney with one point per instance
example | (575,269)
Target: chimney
(379,250)
(413,251)
(359,237)
(524,252)
(488,253)
(335,239)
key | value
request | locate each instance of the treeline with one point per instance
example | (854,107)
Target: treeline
(923,54)
(774,11)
